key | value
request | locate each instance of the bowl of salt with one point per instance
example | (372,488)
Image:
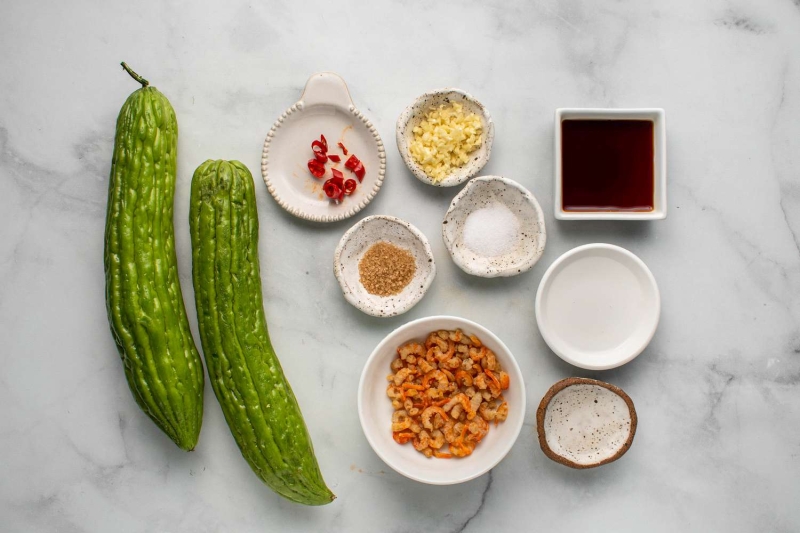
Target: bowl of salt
(494,228)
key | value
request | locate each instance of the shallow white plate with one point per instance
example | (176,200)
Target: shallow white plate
(598,306)
(375,408)
(482,192)
(354,244)
(325,108)
(413,115)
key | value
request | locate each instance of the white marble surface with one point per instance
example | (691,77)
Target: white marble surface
(717,391)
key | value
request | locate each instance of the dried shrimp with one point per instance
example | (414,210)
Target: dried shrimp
(446,391)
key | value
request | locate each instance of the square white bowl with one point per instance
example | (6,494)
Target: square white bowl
(658,118)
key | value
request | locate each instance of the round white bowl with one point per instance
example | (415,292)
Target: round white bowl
(375,408)
(478,194)
(413,115)
(358,239)
(598,306)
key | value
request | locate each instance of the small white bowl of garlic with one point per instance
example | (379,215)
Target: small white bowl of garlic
(445,137)
(494,228)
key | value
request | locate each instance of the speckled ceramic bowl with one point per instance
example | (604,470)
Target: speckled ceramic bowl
(413,115)
(483,192)
(585,423)
(358,240)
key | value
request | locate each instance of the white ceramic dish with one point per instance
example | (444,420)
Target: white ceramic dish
(413,115)
(375,409)
(598,306)
(357,240)
(658,118)
(325,108)
(480,193)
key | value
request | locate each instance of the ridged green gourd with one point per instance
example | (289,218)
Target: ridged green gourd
(143,294)
(256,399)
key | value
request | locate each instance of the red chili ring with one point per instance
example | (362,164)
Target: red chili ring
(316,168)
(332,191)
(318,146)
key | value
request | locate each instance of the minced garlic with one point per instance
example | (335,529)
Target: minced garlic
(444,139)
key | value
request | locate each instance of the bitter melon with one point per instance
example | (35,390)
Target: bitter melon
(256,399)
(143,294)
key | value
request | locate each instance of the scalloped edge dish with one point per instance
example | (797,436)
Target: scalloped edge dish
(288,181)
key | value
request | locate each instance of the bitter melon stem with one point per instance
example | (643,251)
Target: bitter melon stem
(135,76)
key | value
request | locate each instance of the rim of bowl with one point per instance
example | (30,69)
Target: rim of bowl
(510,271)
(455,178)
(546,279)
(350,297)
(485,332)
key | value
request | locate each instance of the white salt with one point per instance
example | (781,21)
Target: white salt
(491,231)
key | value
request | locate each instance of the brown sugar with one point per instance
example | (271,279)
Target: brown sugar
(386,269)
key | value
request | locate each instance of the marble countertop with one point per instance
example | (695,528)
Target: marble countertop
(717,391)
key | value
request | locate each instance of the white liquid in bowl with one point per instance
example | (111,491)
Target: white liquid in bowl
(598,306)
(601,298)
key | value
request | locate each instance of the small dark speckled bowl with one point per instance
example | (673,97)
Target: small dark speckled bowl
(578,402)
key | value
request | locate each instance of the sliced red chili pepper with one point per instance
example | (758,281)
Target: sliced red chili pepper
(351,162)
(321,157)
(350,186)
(335,158)
(338,180)
(332,190)
(318,147)
(360,171)
(316,168)
(324,142)
(344,150)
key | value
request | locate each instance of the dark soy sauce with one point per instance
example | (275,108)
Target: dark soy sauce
(607,165)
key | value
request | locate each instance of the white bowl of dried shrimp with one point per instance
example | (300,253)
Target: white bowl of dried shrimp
(441,400)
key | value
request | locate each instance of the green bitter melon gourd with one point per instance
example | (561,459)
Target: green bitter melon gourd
(245,373)
(143,294)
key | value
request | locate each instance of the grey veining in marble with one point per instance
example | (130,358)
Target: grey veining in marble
(717,391)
